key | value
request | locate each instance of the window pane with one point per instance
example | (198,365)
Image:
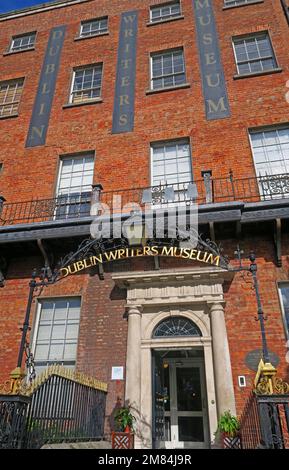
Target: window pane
(271,151)
(94,27)
(171,163)
(57,334)
(251,48)
(165,12)
(168,69)
(10,94)
(86,84)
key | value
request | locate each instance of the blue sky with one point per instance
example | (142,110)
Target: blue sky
(8,5)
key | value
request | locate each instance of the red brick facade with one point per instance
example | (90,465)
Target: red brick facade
(123,161)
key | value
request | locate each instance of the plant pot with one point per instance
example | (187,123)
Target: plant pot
(122,440)
(230,442)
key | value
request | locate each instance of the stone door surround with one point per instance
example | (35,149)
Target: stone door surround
(152,296)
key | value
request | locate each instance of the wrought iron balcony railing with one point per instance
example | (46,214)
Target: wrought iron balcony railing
(205,191)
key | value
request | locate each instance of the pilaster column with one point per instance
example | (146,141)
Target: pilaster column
(133,367)
(222,361)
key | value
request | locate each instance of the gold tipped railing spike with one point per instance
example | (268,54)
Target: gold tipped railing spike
(18,384)
(266,381)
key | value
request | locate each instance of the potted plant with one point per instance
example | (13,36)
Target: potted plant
(122,437)
(228,429)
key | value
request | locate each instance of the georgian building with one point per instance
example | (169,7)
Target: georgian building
(174,104)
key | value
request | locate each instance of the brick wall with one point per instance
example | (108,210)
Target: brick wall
(103,326)
(122,160)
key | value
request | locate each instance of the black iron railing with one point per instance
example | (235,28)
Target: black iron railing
(205,191)
(265,422)
(64,410)
(61,407)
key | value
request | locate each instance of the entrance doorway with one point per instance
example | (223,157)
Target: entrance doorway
(180,406)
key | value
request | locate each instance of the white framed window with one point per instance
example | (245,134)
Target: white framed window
(23,42)
(74,186)
(270,149)
(283,290)
(86,83)
(165,11)
(171,162)
(233,3)
(254,53)
(56,331)
(94,27)
(10,95)
(167,69)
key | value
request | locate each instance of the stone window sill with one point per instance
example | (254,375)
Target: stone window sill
(18,52)
(80,38)
(153,23)
(83,103)
(257,74)
(169,88)
(10,116)
(228,7)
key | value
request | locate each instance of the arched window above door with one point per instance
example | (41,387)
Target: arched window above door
(176,326)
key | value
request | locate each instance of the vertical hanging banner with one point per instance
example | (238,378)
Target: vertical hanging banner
(46,87)
(123,113)
(213,78)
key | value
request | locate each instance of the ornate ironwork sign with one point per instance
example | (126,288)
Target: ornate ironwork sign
(213,78)
(44,97)
(124,253)
(123,115)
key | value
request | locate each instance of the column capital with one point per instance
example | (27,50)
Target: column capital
(134,309)
(218,305)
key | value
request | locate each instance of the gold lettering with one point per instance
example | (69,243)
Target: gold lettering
(97,259)
(44,89)
(127,46)
(125,81)
(123,99)
(64,272)
(154,250)
(167,252)
(72,266)
(53,50)
(139,252)
(38,131)
(202,4)
(125,63)
(57,34)
(203,260)
(80,265)
(210,58)
(193,254)
(213,107)
(185,253)
(146,251)
(86,265)
(112,255)
(128,33)
(210,82)
(202,22)
(177,253)
(123,120)
(207,39)
(41,112)
(121,253)
(50,68)
(213,260)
